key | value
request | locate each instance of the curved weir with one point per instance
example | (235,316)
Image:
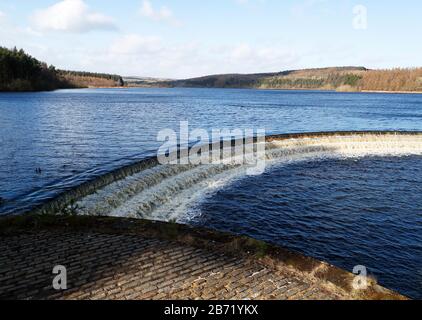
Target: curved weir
(155,191)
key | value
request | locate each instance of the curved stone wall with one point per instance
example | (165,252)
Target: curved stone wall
(148,189)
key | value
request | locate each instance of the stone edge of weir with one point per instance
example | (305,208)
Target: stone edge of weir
(322,275)
(61,200)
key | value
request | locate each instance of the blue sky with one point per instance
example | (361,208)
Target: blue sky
(185,38)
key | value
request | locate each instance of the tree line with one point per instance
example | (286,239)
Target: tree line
(106,76)
(21,72)
(399,79)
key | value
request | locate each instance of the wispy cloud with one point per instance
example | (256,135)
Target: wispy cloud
(134,44)
(162,14)
(2,15)
(71,16)
(248,2)
(143,55)
(301,8)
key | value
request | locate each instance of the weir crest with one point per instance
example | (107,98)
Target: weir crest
(150,190)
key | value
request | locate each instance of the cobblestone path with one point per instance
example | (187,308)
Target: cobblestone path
(104,266)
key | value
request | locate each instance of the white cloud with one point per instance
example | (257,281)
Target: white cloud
(139,55)
(134,44)
(162,14)
(71,16)
(259,58)
(12,35)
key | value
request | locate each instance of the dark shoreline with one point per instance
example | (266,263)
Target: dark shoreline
(234,88)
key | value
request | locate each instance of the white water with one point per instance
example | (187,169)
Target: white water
(172,192)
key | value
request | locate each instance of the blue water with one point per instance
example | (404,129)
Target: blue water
(347,212)
(76,135)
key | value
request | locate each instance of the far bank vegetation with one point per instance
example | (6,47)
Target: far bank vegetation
(88,79)
(339,78)
(392,80)
(21,72)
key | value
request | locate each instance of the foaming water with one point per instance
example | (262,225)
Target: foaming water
(347,211)
(169,192)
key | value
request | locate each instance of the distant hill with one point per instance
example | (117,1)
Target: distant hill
(145,82)
(223,81)
(335,78)
(21,72)
(291,79)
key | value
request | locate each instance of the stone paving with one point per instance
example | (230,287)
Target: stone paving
(102,265)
